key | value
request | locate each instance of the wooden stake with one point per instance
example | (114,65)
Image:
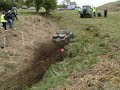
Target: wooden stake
(23,42)
(33,28)
(4,41)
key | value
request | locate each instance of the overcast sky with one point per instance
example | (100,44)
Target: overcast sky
(90,2)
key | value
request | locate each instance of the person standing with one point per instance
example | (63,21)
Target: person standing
(9,19)
(79,10)
(4,21)
(94,11)
(14,15)
(105,12)
(14,12)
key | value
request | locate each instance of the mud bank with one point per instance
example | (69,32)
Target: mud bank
(32,73)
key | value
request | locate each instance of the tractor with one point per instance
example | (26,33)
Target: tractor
(60,39)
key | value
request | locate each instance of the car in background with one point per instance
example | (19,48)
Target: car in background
(60,9)
(86,12)
(24,7)
(31,8)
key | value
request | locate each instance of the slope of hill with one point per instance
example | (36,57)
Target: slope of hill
(93,56)
(113,6)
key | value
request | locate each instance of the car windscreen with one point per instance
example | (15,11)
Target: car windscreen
(87,7)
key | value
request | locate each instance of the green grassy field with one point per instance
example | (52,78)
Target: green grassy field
(95,41)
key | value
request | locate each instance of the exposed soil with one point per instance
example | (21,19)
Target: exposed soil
(32,72)
(96,78)
(26,53)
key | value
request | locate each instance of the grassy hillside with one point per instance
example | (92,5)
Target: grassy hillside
(113,6)
(93,56)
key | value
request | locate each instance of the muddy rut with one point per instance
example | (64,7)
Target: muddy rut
(44,57)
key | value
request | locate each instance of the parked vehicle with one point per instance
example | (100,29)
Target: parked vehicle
(24,7)
(31,8)
(60,39)
(86,12)
(60,9)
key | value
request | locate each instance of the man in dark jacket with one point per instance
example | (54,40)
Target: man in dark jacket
(105,12)
(10,19)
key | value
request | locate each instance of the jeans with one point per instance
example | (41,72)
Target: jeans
(10,22)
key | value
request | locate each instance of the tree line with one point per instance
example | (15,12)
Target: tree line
(65,3)
(6,4)
(48,5)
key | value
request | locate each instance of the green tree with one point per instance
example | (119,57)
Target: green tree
(6,4)
(20,3)
(47,4)
(38,4)
(28,2)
